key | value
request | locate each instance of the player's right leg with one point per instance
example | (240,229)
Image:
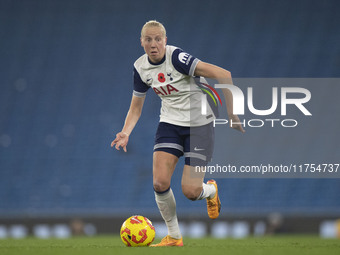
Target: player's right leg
(164,165)
(168,148)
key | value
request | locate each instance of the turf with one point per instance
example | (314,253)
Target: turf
(291,245)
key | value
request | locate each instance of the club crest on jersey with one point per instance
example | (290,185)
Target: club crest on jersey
(169,75)
(165,90)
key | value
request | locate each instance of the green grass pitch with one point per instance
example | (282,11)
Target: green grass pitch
(287,245)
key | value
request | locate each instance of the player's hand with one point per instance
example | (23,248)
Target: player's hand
(121,140)
(235,123)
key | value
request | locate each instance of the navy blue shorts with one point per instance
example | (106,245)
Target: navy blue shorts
(195,143)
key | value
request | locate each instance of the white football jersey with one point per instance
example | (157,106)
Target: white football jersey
(173,81)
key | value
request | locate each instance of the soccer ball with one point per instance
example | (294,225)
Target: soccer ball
(137,231)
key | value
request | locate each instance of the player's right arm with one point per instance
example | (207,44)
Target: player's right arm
(132,117)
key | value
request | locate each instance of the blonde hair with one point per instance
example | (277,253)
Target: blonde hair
(153,23)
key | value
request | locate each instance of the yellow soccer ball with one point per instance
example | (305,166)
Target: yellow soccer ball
(137,231)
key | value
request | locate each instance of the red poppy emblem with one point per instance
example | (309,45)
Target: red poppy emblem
(161,77)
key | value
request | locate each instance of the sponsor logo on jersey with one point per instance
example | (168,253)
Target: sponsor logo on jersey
(184,58)
(149,79)
(165,90)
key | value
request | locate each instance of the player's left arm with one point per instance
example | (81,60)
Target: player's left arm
(223,76)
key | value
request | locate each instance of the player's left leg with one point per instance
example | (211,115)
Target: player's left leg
(198,149)
(192,182)
(194,188)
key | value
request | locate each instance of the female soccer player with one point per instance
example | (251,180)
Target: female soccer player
(183,129)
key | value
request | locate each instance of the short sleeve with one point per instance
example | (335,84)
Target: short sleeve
(184,62)
(139,87)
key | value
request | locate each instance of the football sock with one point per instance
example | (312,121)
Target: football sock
(167,206)
(208,191)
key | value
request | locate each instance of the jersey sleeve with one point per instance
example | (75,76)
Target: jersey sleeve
(184,62)
(139,87)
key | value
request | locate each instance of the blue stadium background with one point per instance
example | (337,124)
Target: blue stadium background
(66,84)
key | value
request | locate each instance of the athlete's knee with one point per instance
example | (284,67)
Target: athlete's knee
(191,192)
(160,186)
